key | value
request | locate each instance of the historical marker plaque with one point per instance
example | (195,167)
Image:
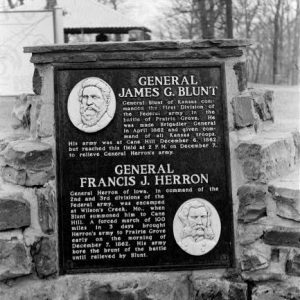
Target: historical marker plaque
(143,170)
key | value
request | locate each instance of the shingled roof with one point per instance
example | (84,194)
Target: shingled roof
(88,15)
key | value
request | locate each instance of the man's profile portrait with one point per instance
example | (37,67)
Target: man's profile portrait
(196,226)
(91,104)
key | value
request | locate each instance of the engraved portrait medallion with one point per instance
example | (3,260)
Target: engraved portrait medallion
(196,226)
(91,104)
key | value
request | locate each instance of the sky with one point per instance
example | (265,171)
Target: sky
(143,11)
(146,12)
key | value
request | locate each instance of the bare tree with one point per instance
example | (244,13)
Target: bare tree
(113,3)
(245,14)
(271,26)
(229,21)
(181,21)
(275,40)
(13,4)
(210,13)
(295,57)
(196,19)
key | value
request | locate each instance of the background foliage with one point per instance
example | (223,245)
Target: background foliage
(273,26)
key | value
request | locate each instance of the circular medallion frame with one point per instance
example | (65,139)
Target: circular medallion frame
(196,226)
(75,104)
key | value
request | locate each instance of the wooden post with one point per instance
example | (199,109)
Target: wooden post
(58,25)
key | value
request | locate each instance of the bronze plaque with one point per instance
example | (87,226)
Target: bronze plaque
(143,168)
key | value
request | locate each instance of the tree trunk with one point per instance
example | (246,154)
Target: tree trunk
(114,3)
(247,25)
(258,63)
(11,4)
(211,20)
(289,49)
(295,56)
(280,64)
(229,24)
(275,41)
(203,19)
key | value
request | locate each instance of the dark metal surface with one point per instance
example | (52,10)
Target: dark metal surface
(213,161)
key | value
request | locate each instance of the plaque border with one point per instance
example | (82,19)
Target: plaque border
(57,67)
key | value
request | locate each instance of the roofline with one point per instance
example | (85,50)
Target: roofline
(26,11)
(78,30)
(103,29)
(138,46)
